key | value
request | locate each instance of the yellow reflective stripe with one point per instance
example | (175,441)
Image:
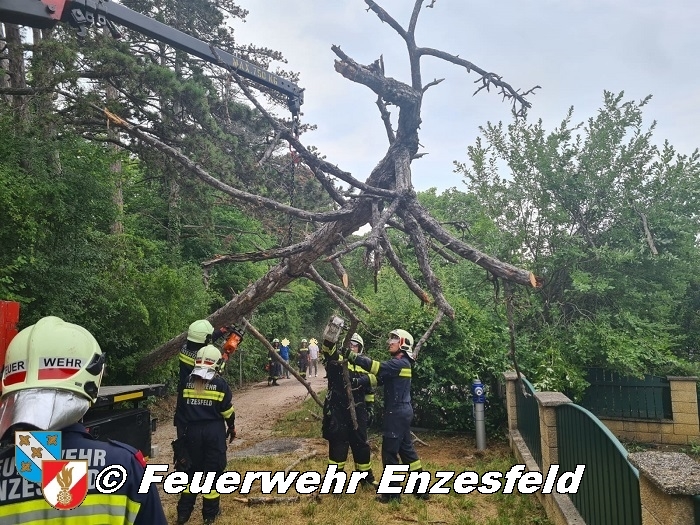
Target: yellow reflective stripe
(363,467)
(227,413)
(369,398)
(126,397)
(186,359)
(375,367)
(212,495)
(405,372)
(204,394)
(96,509)
(372,380)
(415,465)
(341,465)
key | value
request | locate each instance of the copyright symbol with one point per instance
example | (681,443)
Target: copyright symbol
(111,479)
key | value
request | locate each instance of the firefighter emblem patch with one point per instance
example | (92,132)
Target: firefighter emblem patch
(32,449)
(64,483)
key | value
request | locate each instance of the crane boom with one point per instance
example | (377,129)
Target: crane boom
(44,14)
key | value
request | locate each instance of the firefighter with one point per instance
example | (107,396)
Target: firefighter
(206,408)
(199,334)
(303,358)
(37,396)
(395,375)
(274,367)
(338,428)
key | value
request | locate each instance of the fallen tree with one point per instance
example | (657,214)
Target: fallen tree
(386,197)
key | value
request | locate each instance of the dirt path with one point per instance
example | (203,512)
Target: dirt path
(258,407)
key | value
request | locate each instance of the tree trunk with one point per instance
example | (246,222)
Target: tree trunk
(17,71)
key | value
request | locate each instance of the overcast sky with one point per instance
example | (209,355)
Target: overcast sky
(574,49)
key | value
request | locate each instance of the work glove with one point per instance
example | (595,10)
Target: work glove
(231,433)
(349,355)
(355,383)
(370,415)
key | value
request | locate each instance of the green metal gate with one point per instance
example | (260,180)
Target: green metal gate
(609,490)
(529,418)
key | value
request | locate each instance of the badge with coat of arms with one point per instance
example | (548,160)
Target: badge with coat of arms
(32,448)
(64,482)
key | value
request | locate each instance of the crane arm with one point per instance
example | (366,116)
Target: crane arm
(82,14)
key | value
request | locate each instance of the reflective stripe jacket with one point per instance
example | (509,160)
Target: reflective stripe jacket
(21,501)
(212,402)
(336,386)
(395,375)
(187,355)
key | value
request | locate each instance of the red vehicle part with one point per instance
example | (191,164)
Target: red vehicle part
(9,317)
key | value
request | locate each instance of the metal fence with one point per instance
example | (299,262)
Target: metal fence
(529,418)
(609,490)
(615,396)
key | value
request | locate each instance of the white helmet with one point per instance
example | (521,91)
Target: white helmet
(52,373)
(199,331)
(405,342)
(356,338)
(205,362)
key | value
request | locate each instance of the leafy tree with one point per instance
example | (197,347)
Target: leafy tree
(609,220)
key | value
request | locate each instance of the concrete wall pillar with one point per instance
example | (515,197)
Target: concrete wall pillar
(684,403)
(511,403)
(667,482)
(547,403)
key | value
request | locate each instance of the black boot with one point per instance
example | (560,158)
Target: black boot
(369,481)
(185,505)
(388,498)
(424,497)
(210,510)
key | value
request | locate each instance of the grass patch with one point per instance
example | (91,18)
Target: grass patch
(302,423)
(445,452)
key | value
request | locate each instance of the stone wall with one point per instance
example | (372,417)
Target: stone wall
(683,429)
(667,480)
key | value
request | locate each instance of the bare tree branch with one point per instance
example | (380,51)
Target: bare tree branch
(401,270)
(386,17)
(420,249)
(647,232)
(193,167)
(426,335)
(262,255)
(270,150)
(313,274)
(498,268)
(372,238)
(386,118)
(349,296)
(487,79)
